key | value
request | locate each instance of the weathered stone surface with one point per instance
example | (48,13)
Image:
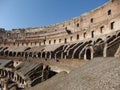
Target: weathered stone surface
(98,74)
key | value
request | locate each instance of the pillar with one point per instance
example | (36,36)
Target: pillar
(105,50)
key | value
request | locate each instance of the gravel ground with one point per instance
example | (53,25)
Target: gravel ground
(98,74)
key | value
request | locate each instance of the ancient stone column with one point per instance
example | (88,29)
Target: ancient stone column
(105,50)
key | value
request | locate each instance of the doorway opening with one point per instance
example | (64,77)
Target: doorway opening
(88,54)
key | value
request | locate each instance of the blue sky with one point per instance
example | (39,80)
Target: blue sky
(35,13)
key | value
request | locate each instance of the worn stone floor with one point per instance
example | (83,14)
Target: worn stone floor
(98,74)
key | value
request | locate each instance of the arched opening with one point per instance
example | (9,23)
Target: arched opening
(54,41)
(12,75)
(35,54)
(88,54)
(58,55)
(2,53)
(5,73)
(20,79)
(26,54)
(30,54)
(6,53)
(9,74)
(14,54)
(18,54)
(39,54)
(22,54)
(10,54)
(43,55)
(48,54)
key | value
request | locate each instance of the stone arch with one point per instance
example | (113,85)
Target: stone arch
(23,81)
(52,54)
(88,53)
(12,77)
(5,73)
(9,74)
(30,54)
(60,55)
(6,53)
(39,54)
(14,54)
(35,54)
(26,54)
(22,54)
(12,74)
(10,53)
(48,55)
(15,77)
(43,55)
(2,53)
(20,79)
(18,54)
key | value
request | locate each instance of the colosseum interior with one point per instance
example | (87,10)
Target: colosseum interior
(64,55)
